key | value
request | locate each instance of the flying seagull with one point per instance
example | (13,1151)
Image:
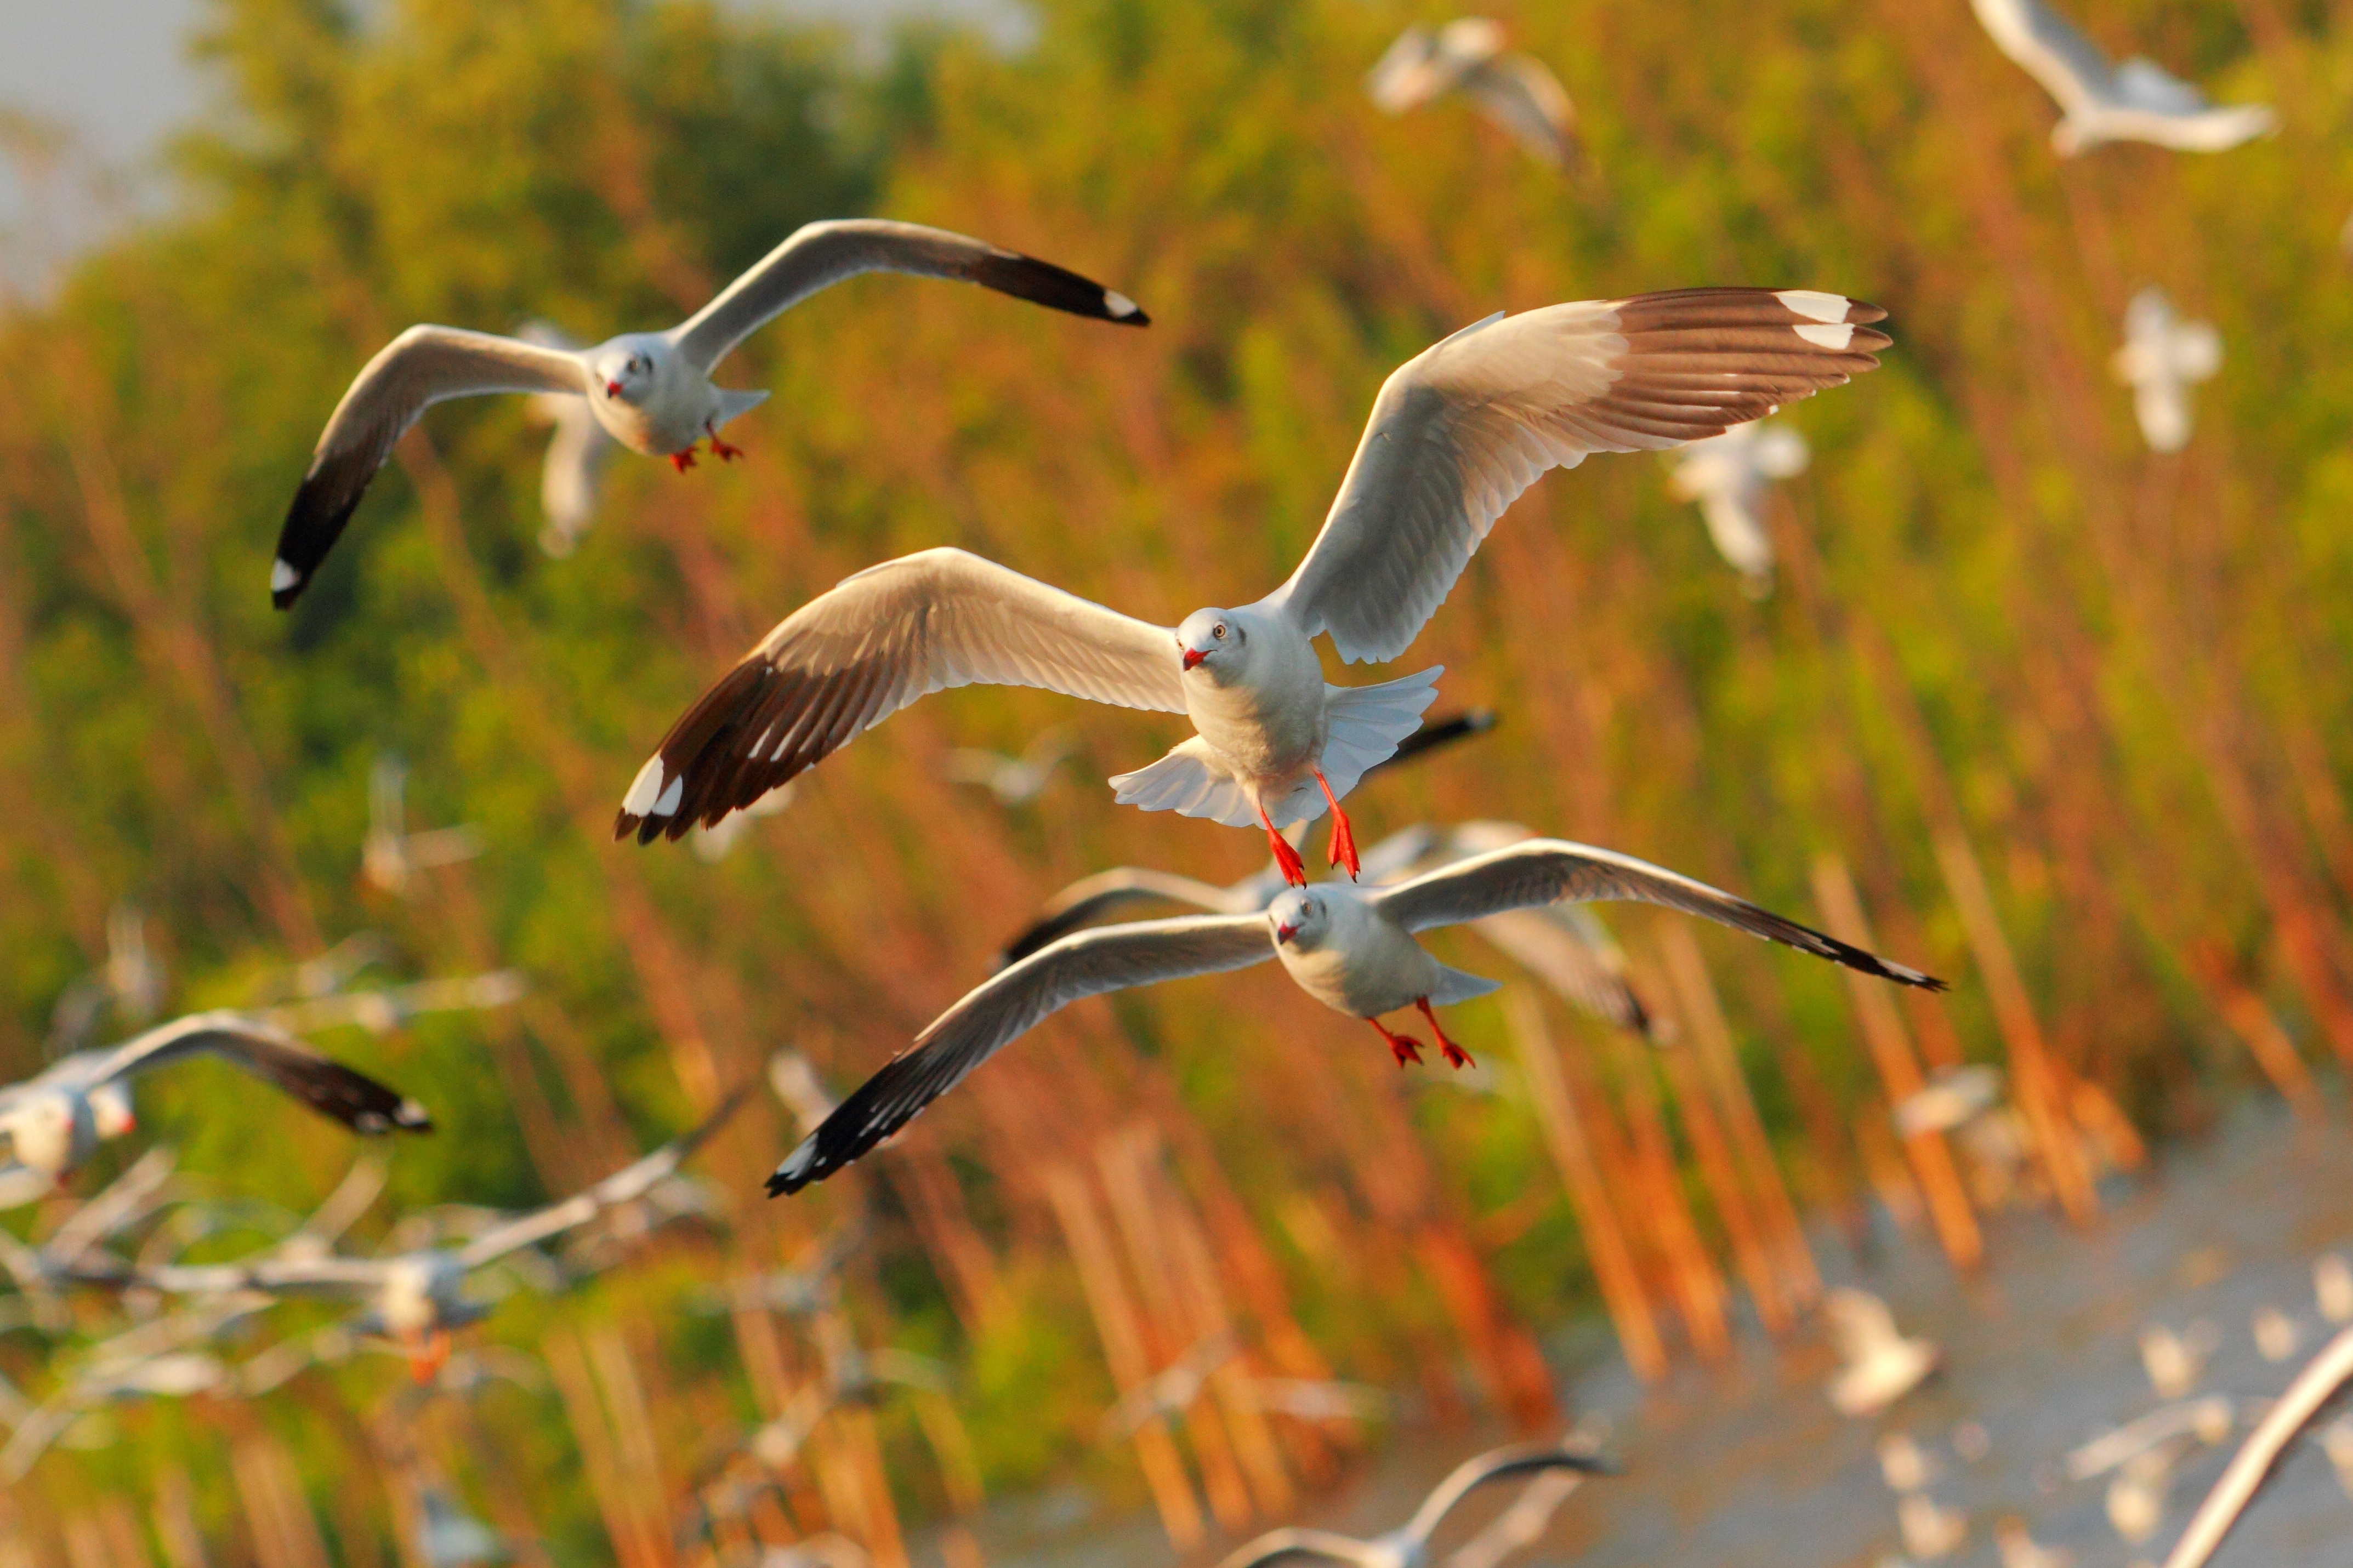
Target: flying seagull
(2162,358)
(1014,781)
(2135,101)
(1727,475)
(1350,948)
(1407,1546)
(650,391)
(54,1121)
(575,452)
(1456,435)
(1517,92)
(1881,1363)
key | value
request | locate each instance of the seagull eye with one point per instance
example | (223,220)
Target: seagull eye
(1218,632)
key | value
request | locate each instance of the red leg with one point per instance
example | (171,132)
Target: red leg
(1294,870)
(1344,837)
(1405,1047)
(1455,1055)
(719,448)
(683,461)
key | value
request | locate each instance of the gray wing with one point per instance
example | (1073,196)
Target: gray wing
(1407,74)
(853,655)
(1090,899)
(275,1057)
(2049,49)
(423,367)
(1529,103)
(1007,1007)
(819,255)
(1462,429)
(1502,1464)
(1550,871)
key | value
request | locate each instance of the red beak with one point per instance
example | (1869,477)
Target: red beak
(612,389)
(1194,656)
(1285,933)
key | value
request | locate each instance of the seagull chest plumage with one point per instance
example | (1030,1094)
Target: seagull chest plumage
(1349,958)
(1256,695)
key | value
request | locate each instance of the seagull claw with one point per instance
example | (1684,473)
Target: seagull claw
(1294,869)
(1456,1057)
(1342,852)
(720,449)
(1405,1047)
(683,461)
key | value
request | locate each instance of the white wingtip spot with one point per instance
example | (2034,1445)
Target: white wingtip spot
(645,790)
(283,576)
(1836,337)
(1118,304)
(1814,305)
(668,804)
(797,1162)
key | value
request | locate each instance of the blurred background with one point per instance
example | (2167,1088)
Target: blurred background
(2033,706)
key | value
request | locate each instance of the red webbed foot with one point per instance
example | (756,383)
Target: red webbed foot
(1294,869)
(1405,1047)
(1456,1057)
(720,449)
(683,461)
(1342,852)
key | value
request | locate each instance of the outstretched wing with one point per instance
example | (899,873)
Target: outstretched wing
(1462,429)
(421,367)
(819,255)
(1526,102)
(1551,870)
(1498,1465)
(2049,49)
(1007,1007)
(854,656)
(1090,899)
(275,1057)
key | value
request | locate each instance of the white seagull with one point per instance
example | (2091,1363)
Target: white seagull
(1517,92)
(650,391)
(1407,1546)
(54,1121)
(2135,101)
(1014,781)
(1881,1363)
(575,452)
(2162,358)
(1350,948)
(1457,434)
(1728,477)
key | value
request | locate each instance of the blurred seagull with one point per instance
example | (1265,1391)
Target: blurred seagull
(1407,1546)
(1456,435)
(381,1011)
(1952,1099)
(2174,1361)
(2161,360)
(2135,101)
(650,391)
(2332,1287)
(2136,1497)
(1172,1389)
(2314,1393)
(391,856)
(1351,949)
(1882,1364)
(1517,92)
(55,1120)
(575,453)
(39,1271)
(1728,477)
(1014,781)
(130,982)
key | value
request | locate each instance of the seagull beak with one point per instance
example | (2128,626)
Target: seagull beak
(612,389)
(1194,656)
(1285,933)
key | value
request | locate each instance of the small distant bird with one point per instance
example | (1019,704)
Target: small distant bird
(812,1284)
(2332,1287)
(2310,1396)
(157,1360)
(1351,949)
(1903,1464)
(40,1272)
(1882,1364)
(391,856)
(650,391)
(1407,1546)
(2161,360)
(1727,475)
(446,1536)
(2174,1361)
(381,1011)
(1950,1099)
(2019,1548)
(1930,1529)
(1014,781)
(575,453)
(2276,1335)
(2135,101)
(55,1120)
(1517,92)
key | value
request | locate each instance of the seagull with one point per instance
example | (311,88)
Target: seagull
(1728,477)
(54,1121)
(417,1296)
(1521,1524)
(575,453)
(2135,101)
(155,1360)
(1563,944)
(1882,1365)
(2332,1287)
(391,856)
(1351,949)
(650,391)
(1952,1099)
(2161,360)
(1172,1389)
(1456,435)
(1517,92)
(2314,1393)
(810,1285)
(130,1197)
(2174,1361)
(1407,1546)
(1014,781)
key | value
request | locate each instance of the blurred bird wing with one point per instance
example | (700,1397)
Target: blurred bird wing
(1008,1005)
(1551,870)
(1860,1322)
(876,642)
(2195,351)
(1522,96)
(819,255)
(2141,83)
(2051,49)
(576,460)
(1501,1463)
(1460,430)
(275,1057)
(1299,1541)
(1548,943)
(1090,899)
(2312,1394)
(1405,75)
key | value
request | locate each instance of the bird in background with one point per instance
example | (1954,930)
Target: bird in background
(2173,1360)
(391,856)
(2135,101)
(1952,1099)
(2162,358)
(1879,1363)
(1517,92)
(1351,949)
(1014,781)
(1727,475)
(128,986)
(2208,1419)
(650,392)
(576,451)
(1456,435)
(383,1010)
(1407,1546)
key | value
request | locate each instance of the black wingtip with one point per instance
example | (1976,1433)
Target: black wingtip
(778,1186)
(1057,289)
(315,519)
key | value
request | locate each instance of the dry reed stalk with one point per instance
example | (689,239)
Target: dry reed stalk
(2250,1018)
(465,1440)
(1697,1283)
(638,1461)
(878,1512)
(568,1369)
(1123,1350)
(126,1542)
(175,1518)
(1614,1270)
(285,1535)
(1946,1198)
(85,1545)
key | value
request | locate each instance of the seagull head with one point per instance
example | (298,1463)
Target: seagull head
(1212,639)
(51,1132)
(623,371)
(111,1113)
(1299,918)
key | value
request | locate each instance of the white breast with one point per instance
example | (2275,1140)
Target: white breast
(1364,966)
(1272,726)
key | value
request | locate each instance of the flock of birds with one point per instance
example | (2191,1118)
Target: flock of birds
(1455,436)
